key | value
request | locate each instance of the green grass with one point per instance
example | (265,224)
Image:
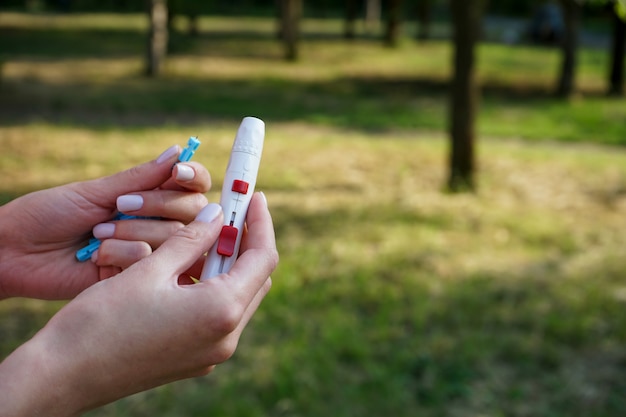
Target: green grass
(87,69)
(392,297)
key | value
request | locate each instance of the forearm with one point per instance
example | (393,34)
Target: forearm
(34,383)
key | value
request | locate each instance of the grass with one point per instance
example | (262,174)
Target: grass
(392,297)
(355,85)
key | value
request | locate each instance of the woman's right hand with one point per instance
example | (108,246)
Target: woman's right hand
(142,328)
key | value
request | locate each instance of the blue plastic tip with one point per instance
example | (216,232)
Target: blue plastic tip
(85,253)
(187,153)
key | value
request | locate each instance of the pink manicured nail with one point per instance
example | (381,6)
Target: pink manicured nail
(167,154)
(104,230)
(130,202)
(264,198)
(209,213)
(184,172)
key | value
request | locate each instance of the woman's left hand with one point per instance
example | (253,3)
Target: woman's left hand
(41,231)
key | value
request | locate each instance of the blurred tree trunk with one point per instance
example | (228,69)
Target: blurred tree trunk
(423,19)
(571,14)
(372,15)
(279,18)
(618,51)
(352,10)
(466,21)
(157,37)
(392,31)
(291,12)
(194,25)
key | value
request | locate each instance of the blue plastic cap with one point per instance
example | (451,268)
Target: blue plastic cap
(187,153)
(85,253)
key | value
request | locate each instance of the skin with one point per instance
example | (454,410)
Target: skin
(42,231)
(140,328)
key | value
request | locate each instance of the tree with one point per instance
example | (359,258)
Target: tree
(466,21)
(571,14)
(352,9)
(424,8)
(617,12)
(392,31)
(372,15)
(290,14)
(157,37)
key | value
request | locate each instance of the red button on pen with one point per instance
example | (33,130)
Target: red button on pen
(240,187)
(227,240)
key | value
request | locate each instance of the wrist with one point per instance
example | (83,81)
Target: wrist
(34,383)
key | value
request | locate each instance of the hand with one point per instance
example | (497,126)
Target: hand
(141,328)
(42,231)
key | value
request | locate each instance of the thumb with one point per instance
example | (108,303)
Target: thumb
(178,253)
(142,177)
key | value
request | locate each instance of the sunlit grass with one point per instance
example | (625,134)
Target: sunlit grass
(235,66)
(391,296)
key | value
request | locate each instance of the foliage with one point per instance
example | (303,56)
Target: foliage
(620,8)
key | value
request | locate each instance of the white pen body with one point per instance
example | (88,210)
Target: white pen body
(237,190)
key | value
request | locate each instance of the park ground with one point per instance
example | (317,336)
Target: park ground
(393,297)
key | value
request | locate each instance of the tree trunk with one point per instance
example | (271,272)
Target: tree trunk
(157,39)
(372,15)
(392,33)
(291,14)
(571,14)
(618,51)
(466,19)
(352,10)
(423,19)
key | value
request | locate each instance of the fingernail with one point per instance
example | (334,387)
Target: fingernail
(167,154)
(103,230)
(130,202)
(209,213)
(184,172)
(94,257)
(264,198)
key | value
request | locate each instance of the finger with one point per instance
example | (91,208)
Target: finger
(121,253)
(232,339)
(146,176)
(178,253)
(259,257)
(195,270)
(189,176)
(258,213)
(177,205)
(107,272)
(255,303)
(153,232)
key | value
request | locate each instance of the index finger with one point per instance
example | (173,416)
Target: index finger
(189,176)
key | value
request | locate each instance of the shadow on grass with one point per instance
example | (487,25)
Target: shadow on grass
(61,43)
(536,336)
(371,103)
(357,102)
(389,338)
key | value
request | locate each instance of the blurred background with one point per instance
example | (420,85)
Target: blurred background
(447,180)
